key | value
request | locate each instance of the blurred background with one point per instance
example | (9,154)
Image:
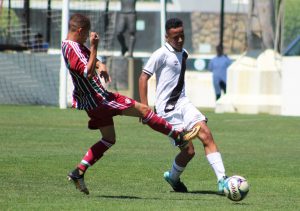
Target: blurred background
(31,34)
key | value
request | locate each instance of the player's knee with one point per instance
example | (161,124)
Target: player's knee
(206,138)
(189,151)
(111,140)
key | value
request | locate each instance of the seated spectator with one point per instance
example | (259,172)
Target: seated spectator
(38,44)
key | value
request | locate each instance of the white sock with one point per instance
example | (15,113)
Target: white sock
(215,161)
(176,171)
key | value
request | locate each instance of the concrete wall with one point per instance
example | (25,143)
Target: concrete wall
(290,86)
(253,84)
(263,83)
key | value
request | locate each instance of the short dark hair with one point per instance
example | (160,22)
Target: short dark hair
(79,21)
(173,23)
(219,49)
(38,36)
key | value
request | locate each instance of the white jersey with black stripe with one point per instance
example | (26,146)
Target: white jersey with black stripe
(166,64)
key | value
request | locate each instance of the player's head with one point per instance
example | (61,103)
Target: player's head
(79,27)
(175,33)
(219,50)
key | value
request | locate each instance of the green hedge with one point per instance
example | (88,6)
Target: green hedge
(291,20)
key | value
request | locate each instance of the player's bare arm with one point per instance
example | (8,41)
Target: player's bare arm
(91,65)
(143,88)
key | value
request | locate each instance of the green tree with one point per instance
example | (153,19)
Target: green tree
(8,19)
(291,21)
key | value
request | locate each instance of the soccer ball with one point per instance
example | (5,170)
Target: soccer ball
(236,188)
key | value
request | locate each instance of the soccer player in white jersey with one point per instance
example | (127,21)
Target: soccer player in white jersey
(168,63)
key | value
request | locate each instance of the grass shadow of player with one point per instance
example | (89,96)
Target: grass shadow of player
(119,197)
(205,192)
(126,197)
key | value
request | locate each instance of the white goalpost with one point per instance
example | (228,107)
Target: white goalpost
(63,68)
(162,21)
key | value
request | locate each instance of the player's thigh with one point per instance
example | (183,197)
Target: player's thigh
(175,118)
(191,116)
(100,117)
(108,133)
(205,134)
(137,110)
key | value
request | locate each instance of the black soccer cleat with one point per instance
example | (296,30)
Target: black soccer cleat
(78,180)
(177,186)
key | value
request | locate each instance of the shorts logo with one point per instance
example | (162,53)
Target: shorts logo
(175,62)
(169,107)
(127,101)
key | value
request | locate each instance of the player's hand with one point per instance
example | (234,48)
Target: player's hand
(103,72)
(94,39)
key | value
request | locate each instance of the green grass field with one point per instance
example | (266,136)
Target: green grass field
(39,145)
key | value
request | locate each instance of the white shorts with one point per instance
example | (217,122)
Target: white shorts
(184,116)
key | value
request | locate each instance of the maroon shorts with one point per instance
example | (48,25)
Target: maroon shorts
(103,115)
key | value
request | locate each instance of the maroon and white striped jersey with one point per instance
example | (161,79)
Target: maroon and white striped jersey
(88,93)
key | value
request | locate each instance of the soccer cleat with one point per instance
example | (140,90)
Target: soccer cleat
(179,142)
(191,134)
(221,183)
(177,186)
(185,136)
(78,180)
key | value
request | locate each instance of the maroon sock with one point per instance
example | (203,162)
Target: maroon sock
(94,154)
(159,124)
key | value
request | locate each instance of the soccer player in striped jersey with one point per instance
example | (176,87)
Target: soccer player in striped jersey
(100,104)
(168,63)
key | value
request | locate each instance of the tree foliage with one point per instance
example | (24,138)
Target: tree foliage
(291,21)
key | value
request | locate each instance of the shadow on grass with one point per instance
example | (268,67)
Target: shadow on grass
(135,197)
(120,197)
(205,192)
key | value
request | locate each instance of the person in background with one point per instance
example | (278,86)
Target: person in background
(168,63)
(219,65)
(38,45)
(126,21)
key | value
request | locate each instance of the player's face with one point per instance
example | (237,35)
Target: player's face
(175,37)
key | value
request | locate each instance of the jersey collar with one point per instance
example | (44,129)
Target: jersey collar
(170,48)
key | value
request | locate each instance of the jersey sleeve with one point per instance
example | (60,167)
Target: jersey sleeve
(155,62)
(76,60)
